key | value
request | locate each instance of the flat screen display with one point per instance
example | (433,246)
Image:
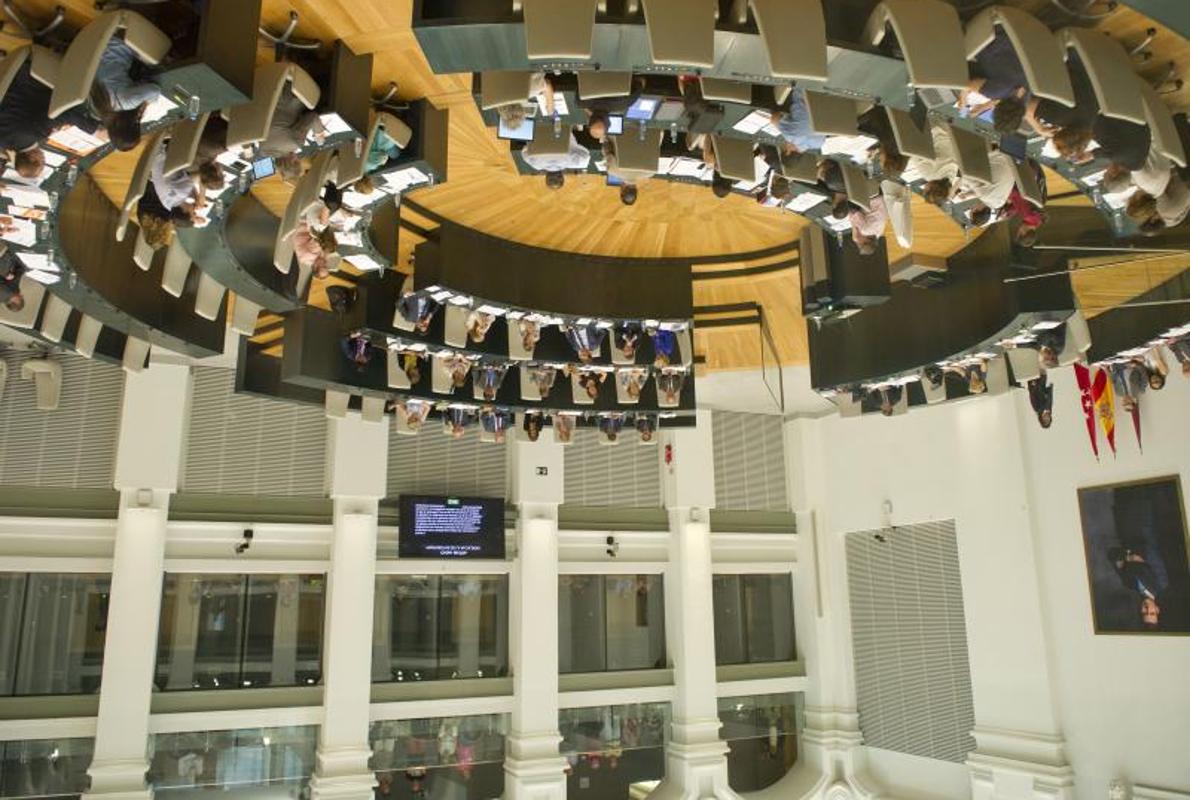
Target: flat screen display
(643,109)
(520,133)
(450,527)
(615,124)
(262,168)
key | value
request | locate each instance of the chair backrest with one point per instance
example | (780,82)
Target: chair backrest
(138,184)
(997,375)
(304,197)
(336,404)
(559,29)
(720,90)
(898,201)
(860,188)
(33,293)
(681,31)
(79,65)
(47,381)
(593,84)
(529,389)
(1166,139)
(971,153)
(685,346)
(503,87)
(799,167)
(181,151)
(87,336)
(633,153)
(135,352)
(372,409)
(1039,51)
(1024,363)
(931,38)
(545,143)
(440,375)
(1111,72)
(832,115)
(54,317)
(44,65)
(516,344)
(911,140)
(209,298)
(794,36)
(579,393)
(243,319)
(248,123)
(1027,183)
(176,269)
(456,325)
(142,252)
(934,394)
(11,65)
(734,159)
(847,405)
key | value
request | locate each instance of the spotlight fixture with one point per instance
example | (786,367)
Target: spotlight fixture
(243,546)
(613,547)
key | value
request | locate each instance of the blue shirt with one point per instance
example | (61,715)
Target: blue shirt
(383,148)
(795,124)
(665,344)
(114,74)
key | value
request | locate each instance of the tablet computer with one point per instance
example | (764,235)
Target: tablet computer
(263,168)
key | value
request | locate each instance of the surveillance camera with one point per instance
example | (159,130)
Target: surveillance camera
(611,540)
(880,537)
(249,533)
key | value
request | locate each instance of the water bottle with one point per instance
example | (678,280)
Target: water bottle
(193,106)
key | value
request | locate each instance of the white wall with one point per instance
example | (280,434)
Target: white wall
(1121,702)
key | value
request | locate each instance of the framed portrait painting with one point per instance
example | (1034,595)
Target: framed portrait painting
(1134,535)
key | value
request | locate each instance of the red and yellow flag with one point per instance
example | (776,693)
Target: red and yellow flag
(1083,375)
(1105,405)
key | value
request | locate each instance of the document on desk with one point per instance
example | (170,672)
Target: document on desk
(158,109)
(803,202)
(75,140)
(756,122)
(364,263)
(27,196)
(23,234)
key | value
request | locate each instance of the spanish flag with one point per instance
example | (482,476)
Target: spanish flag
(1105,404)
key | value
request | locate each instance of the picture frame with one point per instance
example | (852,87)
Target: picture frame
(1137,556)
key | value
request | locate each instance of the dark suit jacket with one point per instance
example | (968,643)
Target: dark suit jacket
(24,113)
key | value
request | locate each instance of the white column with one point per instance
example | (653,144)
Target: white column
(533,769)
(357,467)
(148,461)
(285,630)
(696,758)
(186,620)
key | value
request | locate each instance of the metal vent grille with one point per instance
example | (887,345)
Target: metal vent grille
(912,671)
(749,462)
(248,445)
(73,447)
(431,463)
(627,474)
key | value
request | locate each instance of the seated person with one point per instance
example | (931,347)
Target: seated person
(11,270)
(540,86)
(992,194)
(1152,178)
(1049,344)
(458,366)
(496,421)
(587,340)
(1154,214)
(1158,369)
(478,325)
(564,427)
(940,172)
(533,423)
(1041,397)
(357,349)
(1030,217)
(25,122)
(411,365)
(998,77)
(187,189)
(530,333)
(543,376)
(313,250)
(633,380)
(488,377)
(1131,380)
(455,420)
(330,202)
(413,412)
(669,384)
(629,177)
(874,123)
(626,337)
(867,227)
(889,396)
(292,123)
(554,166)
(600,109)
(418,310)
(118,99)
(589,381)
(158,223)
(610,425)
(665,347)
(974,373)
(797,134)
(646,426)
(383,150)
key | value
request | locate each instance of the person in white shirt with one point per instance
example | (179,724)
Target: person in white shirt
(992,195)
(186,188)
(554,165)
(1152,178)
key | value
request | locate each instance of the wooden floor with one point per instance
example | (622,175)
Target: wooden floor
(485,192)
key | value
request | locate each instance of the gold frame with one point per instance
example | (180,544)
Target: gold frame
(1176,478)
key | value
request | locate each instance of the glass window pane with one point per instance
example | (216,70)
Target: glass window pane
(311,607)
(65,623)
(413,638)
(12,600)
(581,624)
(45,768)
(729,620)
(761,732)
(635,622)
(233,760)
(609,748)
(218,644)
(471,611)
(769,603)
(449,757)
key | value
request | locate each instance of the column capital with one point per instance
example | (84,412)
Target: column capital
(343,774)
(1019,765)
(154,417)
(118,779)
(535,471)
(356,458)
